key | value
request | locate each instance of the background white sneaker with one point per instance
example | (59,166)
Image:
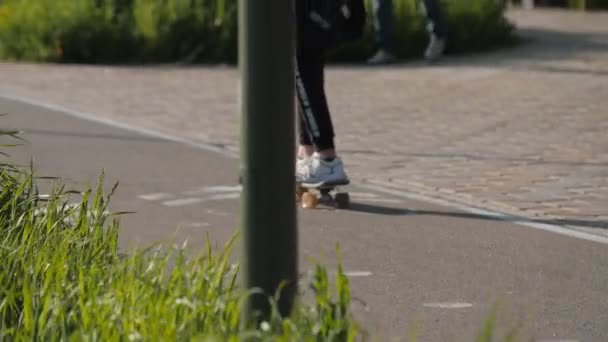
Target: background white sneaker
(382,57)
(435,48)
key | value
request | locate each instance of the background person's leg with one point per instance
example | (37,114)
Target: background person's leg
(385,32)
(436,27)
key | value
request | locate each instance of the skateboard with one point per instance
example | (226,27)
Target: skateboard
(311,196)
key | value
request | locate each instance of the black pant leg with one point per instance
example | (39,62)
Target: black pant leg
(435,18)
(315,119)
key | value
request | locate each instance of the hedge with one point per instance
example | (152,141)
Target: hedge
(202,31)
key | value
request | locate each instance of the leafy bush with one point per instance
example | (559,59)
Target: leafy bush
(114,31)
(139,31)
(591,4)
(575,4)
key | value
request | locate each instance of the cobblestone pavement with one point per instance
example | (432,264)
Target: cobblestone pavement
(523,131)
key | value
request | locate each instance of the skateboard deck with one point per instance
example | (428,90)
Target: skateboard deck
(310,196)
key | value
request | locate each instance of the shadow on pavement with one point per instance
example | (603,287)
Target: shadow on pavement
(392,211)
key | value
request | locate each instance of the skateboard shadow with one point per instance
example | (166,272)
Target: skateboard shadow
(391,211)
(380,210)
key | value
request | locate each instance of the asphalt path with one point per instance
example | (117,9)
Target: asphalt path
(411,263)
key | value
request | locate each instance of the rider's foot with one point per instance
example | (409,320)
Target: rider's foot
(318,171)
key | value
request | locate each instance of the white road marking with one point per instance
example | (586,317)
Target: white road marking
(182,201)
(357,273)
(448,305)
(223,197)
(223,188)
(213,189)
(570,231)
(128,127)
(155,196)
(194,200)
(218,193)
(198,224)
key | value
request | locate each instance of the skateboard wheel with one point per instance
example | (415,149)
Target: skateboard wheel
(300,190)
(342,200)
(309,200)
(326,199)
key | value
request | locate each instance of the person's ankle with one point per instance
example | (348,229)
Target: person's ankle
(328,154)
(305,151)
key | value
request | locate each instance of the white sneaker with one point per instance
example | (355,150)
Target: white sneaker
(435,49)
(317,172)
(302,168)
(382,57)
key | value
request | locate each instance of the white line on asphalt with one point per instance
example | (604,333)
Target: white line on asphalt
(231,153)
(223,197)
(448,305)
(194,200)
(216,212)
(570,231)
(223,188)
(213,189)
(357,274)
(380,200)
(145,131)
(155,196)
(182,201)
(198,224)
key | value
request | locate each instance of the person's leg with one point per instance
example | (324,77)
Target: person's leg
(436,27)
(315,119)
(316,127)
(385,33)
(435,19)
(306,147)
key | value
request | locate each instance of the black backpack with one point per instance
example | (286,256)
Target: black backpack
(336,21)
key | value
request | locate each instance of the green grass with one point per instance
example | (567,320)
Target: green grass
(63,278)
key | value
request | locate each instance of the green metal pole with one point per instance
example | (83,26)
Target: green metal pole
(268,208)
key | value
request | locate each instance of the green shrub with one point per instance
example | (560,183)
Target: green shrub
(593,4)
(575,4)
(140,31)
